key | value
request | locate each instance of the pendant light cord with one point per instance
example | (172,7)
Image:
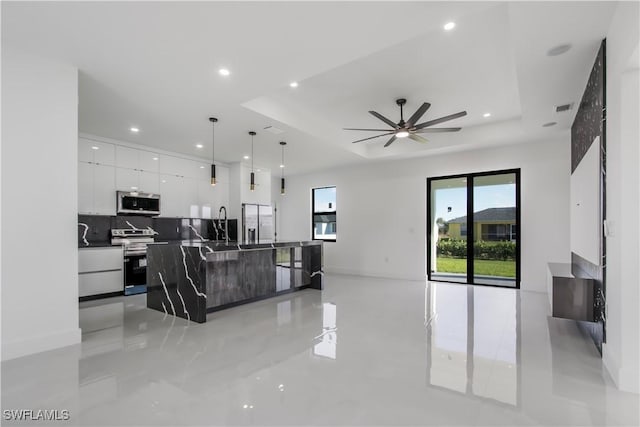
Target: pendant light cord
(251,153)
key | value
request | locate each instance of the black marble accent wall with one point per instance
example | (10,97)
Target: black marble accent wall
(588,124)
(94,230)
(176,281)
(589,120)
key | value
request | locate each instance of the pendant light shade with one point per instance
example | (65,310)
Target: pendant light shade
(282,144)
(213,121)
(252,186)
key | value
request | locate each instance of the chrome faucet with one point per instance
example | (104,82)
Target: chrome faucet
(226,223)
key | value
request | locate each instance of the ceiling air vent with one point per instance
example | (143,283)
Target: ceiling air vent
(564,107)
(274,130)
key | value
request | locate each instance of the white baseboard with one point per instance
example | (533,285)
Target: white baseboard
(625,378)
(349,272)
(38,344)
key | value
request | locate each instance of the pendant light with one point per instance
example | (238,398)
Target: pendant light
(213,121)
(252,186)
(282,144)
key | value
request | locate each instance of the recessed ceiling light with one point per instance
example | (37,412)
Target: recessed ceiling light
(486,115)
(164,180)
(224,72)
(95,148)
(257,170)
(281,166)
(134,188)
(547,125)
(155,158)
(199,145)
(201,167)
(449,26)
(293,84)
(558,50)
(134,129)
(246,157)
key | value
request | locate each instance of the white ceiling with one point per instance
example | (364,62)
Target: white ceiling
(154,66)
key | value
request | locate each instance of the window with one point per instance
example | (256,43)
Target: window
(323,218)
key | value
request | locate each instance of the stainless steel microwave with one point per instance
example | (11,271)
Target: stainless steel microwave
(137,203)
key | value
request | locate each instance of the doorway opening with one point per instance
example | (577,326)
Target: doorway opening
(473,228)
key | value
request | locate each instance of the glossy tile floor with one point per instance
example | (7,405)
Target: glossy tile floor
(362,352)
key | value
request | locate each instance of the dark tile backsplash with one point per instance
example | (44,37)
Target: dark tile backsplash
(98,228)
(93,229)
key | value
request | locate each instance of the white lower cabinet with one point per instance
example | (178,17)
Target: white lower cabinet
(104,282)
(100,271)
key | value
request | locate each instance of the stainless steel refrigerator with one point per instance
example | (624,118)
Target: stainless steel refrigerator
(257,222)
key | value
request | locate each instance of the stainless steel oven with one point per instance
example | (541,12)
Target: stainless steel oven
(134,202)
(134,242)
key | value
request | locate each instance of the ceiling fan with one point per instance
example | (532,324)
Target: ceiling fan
(409,128)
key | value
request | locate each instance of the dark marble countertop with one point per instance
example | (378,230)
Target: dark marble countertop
(221,245)
(89,245)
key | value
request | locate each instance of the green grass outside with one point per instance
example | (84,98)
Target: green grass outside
(482,267)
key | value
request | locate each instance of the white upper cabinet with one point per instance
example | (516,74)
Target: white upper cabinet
(85,188)
(148,161)
(104,187)
(131,158)
(170,165)
(126,157)
(96,189)
(149,182)
(184,185)
(96,152)
(128,179)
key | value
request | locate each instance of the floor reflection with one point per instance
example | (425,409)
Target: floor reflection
(490,356)
(473,343)
(328,344)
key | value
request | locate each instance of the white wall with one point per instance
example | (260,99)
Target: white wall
(381,220)
(39,173)
(621,354)
(585,205)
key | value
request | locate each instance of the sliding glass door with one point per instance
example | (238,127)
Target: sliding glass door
(473,228)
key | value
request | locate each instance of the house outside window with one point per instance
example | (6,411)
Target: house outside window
(323,219)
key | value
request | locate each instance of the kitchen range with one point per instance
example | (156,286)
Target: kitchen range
(112,256)
(134,243)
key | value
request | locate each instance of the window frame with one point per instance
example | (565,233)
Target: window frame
(313,213)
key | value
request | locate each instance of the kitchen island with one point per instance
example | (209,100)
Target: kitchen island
(189,279)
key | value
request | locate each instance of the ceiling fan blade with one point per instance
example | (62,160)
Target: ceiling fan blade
(441,120)
(419,113)
(418,138)
(371,137)
(384,119)
(437,130)
(389,142)
(372,130)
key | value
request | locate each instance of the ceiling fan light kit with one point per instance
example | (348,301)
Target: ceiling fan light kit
(409,129)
